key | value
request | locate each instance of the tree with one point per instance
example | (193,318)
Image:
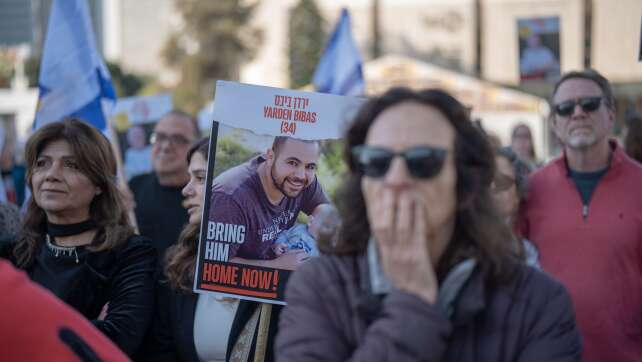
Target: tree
(306,41)
(215,40)
(125,84)
(230,153)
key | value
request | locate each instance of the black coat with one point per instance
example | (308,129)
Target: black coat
(122,277)
(172,334)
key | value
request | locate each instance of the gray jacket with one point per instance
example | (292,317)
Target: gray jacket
(333,315)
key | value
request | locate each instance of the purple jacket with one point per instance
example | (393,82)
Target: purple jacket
(332,316)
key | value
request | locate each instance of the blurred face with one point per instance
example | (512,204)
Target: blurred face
(504,190)
(522,143)
(194,191)
(59,187)
(136,137)
(293,167)
(582,129)
(402,127)
(173,137)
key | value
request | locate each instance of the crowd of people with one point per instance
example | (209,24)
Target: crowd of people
(442,245)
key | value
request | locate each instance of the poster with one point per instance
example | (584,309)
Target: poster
(134,119)
(539,48)
(271,179)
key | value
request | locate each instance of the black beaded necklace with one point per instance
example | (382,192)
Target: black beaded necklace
(55,230)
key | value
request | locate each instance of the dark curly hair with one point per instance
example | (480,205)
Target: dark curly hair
(479,230)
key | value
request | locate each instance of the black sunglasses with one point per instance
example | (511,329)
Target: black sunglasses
(588,104)
(422,161)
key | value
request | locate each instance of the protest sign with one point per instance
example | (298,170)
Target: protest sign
(134,119)
(260,183)
(539,48)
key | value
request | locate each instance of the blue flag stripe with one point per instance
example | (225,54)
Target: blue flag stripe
(340,68)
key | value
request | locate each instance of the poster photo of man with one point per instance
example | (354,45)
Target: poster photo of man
(539,48)
(255,205)
(268,204)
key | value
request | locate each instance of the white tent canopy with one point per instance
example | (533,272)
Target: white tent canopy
(498,108)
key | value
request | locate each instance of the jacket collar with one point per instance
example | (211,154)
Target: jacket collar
(461,297)
(617,158)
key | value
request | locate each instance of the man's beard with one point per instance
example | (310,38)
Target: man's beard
(581,142)
(281,186)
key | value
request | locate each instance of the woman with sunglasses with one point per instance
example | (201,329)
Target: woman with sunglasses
(422,270)
(200,327)
(509,192)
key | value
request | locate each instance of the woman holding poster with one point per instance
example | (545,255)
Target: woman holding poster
(76,239)
(423,270)
(200,327)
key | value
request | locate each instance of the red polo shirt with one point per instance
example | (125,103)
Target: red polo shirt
(596,254)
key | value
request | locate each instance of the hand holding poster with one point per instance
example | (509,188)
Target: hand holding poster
(264,158)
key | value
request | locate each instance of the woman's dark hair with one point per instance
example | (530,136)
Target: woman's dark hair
(180,258)
(95,159)
(479,230)
(520,169)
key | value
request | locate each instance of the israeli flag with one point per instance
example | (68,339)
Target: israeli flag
(340,68)
(74,80)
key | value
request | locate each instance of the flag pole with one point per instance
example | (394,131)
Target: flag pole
(262,335)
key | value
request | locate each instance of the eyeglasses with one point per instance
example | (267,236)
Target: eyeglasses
(175,139)
(501,183)
(588,104)
(423,162)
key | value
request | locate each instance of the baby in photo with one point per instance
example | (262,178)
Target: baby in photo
(323,226)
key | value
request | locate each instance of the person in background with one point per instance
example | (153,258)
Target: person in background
(422,270)
(200,327)
(76,240)
(633,140)
(138,156)
(521,142)
(9,225)
(584,214)
(37,327)
(157,194)
(509,189)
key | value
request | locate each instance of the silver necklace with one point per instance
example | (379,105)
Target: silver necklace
(61,250)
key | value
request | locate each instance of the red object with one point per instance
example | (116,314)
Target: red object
(596,252)
(31,320)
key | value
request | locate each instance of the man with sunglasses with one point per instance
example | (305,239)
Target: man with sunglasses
(157,194)
(584,213)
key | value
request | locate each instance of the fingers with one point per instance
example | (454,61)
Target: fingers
(419,230)
(404,218)
(382,217)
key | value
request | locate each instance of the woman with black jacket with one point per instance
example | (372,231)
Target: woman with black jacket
(199,327)
(76,239)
